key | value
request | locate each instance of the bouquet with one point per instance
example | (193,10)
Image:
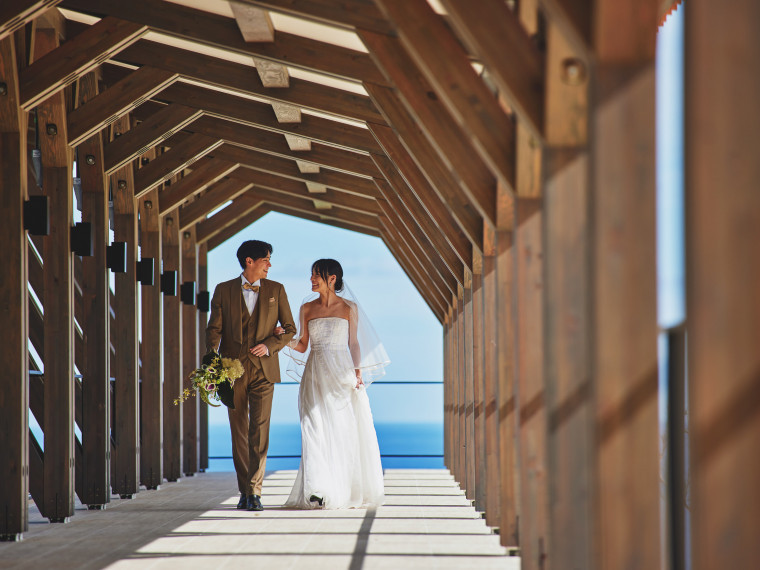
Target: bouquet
(211,377)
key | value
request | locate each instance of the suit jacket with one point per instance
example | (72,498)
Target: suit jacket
(224,331)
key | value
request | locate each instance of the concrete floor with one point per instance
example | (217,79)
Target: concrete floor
(426,522)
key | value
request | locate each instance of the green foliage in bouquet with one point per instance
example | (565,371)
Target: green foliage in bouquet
(208,378)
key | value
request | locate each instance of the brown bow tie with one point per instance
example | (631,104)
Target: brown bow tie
(254,288)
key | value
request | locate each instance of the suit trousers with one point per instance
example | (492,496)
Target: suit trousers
(249,426)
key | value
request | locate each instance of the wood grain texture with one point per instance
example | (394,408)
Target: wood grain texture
(219,193)
(203,175)
(190,356)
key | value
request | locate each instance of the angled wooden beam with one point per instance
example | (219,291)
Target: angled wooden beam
(76,57)
(172,162)
(286,167)
(492,31)
(15,15)
(257,114)
(238,226)
(239,207)
(362,15)
(444,134)
(210,200)
(242,79)
(147,134)
(119,99)
(330,221)
(206,174)
(447,66)
(274,143)
(222,32)
(459,224)
(289,186)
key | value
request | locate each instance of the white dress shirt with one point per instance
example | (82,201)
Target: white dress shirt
(250,296)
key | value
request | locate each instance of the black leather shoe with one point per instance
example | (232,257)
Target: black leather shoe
(243,502)
(316,499)
(254,503)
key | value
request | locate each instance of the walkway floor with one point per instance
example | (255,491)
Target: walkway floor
(426,522)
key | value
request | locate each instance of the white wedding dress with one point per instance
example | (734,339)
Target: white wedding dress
(340,458)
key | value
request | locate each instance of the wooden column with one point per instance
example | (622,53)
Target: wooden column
(14,384)
(461,452)
(454,386)
(173,385)
(125,467)
(202,321)
(191,410)
(447,390)
(151,348)
(96,373)
(722,278)
(469,389)
(479,465)
(58,301)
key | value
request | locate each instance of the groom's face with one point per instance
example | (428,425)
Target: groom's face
(260,267)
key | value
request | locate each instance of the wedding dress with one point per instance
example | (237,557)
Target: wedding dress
(340,457)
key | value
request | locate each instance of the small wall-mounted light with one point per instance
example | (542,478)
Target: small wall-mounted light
(168,183)
(81,239)
(37,166)
(187,292)
(169,283)
(144,160)
(148,205)
(121,184)
(170,222)
(37,216)
(51,129)
(186,235)
(573,71)
(116,135)
(90,159)
(145,271)
(204,301)
(116,257)
(3,88)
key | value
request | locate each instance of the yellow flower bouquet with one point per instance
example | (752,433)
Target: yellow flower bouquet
(211,377)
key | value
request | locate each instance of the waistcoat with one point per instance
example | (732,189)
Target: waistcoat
(249,328)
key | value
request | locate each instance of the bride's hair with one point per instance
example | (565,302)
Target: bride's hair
(327,267)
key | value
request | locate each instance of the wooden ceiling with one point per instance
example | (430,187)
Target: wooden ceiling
(394,118)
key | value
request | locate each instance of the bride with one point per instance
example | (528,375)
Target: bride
(340,459)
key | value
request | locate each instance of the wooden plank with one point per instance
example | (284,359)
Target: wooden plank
(202,176)
(362,15)
(202,322)
(239,207)
(450,218)
(95,322)
(82,53)
(58,299)
(172,350)
(460,453)
(489,33)
(148,134)
(439,179)
(330,221)
(172,162)
(257,114)
(237,226)
(123,96)
(210,200)
(479,462)
(254,23)
(125,476)
(15,16)
(239,78)
(469,389)
(450,140)
(447,67)
(151,355)
(213,30)
(721,282)
(190,356)
(14,421)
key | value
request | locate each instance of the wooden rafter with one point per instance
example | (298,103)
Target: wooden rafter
(15,15)
(219,193)
(206,174)
(238,226)
(239,207)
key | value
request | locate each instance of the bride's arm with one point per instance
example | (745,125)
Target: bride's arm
(353,344)
(302,343)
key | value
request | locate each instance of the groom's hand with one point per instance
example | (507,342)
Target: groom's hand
(260,350)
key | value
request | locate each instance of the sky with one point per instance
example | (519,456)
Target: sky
(412,335)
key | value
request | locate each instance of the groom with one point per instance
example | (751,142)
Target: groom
(244,314)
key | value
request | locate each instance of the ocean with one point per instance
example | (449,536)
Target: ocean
(415,442)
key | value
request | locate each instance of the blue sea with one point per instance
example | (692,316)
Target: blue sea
(413,441)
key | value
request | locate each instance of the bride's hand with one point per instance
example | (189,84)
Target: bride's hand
(279,330)
(359,381)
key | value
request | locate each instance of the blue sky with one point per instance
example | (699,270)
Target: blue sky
(410,332)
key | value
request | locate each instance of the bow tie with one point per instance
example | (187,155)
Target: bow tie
(248,286)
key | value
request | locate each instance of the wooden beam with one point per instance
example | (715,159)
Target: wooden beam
(202,176)
(330,221)
(221,32)
(14,16)
(446,65)
(172,162)
(116,101)
(238,226)
(14,295)
(82,53)
(492,31)
(190,356)
(225,217)
(210,200)
(450,140)
(148,133)
(254,23)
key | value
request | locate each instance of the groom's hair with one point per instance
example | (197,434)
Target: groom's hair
(254,249)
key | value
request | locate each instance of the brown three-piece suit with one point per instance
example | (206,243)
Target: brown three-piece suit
(234,332)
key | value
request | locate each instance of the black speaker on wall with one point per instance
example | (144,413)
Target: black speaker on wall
(145,271)
(204,301)
(116,257)
(37,216)
(169,283)
(187,293)
(81,239)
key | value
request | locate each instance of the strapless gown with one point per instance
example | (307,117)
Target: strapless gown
(340,457)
